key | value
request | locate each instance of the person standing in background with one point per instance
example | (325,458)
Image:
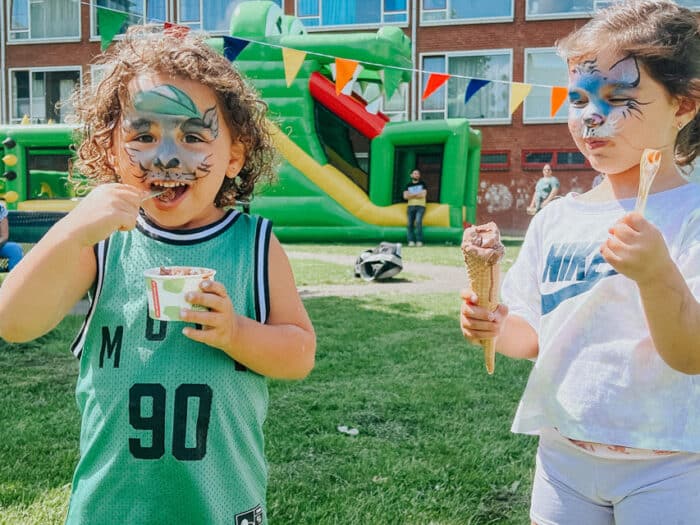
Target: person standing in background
(415,193)
(546,189)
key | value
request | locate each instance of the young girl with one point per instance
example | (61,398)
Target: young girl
(605,299)
(172,413)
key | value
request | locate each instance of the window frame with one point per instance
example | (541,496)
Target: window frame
(539,120)
(95,37)
(495,166)
(346,27)
(555,16)
(10,42)
(42,69)
(462,21)
(555,165)
(497,121)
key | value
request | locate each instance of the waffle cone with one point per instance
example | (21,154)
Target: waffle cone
(484,280)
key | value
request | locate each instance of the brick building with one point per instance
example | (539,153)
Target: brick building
(46,47)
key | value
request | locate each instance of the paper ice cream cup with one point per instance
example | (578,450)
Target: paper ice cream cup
(167,286)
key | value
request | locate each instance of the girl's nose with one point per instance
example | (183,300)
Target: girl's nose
(593,120)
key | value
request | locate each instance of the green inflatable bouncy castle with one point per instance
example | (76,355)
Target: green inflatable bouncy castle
(343,168)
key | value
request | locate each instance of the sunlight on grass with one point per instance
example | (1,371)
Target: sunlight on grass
(433,442)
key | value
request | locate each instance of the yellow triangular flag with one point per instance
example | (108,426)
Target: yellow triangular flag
(344,71)
(518,92)
(293,60)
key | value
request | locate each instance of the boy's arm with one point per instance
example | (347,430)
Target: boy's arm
(517,339)
(282,348)
(60,269)
(44,286)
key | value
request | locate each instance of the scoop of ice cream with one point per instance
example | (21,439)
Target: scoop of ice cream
(483,241)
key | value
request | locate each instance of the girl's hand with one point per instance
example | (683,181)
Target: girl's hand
(636,249)
(219,324)
(478,322)
(106,209)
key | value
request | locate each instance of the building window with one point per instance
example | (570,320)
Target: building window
(44,20)
(543,67)
(139,11)
(333,13)
(42,95)
(495,160)
(466,10)
(488,105)
(396,108)
(208,15)
(543,9)
(566,159)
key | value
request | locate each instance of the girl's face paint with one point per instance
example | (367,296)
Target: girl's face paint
(169,137)
(617,110)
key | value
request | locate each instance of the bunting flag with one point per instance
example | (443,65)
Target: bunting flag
(175,29)
(435,81)
(344,71)
(518,92)
(559,95)
(109,23)
(391,79)
(293,60)
(233,47)
(475,84)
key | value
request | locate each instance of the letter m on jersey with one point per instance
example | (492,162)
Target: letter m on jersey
(111,346)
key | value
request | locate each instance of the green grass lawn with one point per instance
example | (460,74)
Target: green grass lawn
(433,443)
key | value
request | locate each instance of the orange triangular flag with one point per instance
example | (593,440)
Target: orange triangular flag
(344,70)
(293,60)
(559,95)
(518,92)
(435,81)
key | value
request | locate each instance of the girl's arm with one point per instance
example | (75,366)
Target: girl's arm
(514,336)
(637,250)
(283,348)
(60,269)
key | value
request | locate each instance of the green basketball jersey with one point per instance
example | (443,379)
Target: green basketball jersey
(172,429)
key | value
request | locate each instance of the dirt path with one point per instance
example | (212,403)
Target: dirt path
(438,279)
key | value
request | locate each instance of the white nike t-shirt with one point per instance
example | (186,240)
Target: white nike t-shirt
(597,376)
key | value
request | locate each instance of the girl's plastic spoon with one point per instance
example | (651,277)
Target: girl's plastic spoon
(153,193)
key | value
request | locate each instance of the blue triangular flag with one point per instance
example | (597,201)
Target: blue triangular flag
(475,84)
(233,47)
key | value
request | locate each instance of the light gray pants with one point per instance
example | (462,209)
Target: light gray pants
(574,487)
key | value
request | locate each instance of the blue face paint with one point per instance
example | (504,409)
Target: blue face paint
(600,100)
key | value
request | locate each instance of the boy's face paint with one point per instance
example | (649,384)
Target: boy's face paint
(169,114)
(171,137)
(616,110)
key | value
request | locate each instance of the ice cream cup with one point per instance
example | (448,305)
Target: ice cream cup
(167,287)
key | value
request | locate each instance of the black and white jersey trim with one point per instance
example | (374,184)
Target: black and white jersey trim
(262,252)
(100,256)
(148,228)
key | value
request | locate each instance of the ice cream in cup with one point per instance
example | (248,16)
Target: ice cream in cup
(167,287)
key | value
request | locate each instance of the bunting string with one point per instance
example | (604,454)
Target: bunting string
(111,22)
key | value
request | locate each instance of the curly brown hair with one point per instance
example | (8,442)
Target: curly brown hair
(148,49)
(664,37)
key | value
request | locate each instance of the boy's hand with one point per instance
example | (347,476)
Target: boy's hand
(478,322)
(636,249)
(106,209)
(219,324)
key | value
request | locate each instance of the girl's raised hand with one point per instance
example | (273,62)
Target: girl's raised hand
(106,209)
(636,249)
(478,322)
(219,324)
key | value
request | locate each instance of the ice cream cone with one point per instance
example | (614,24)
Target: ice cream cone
(483,251)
